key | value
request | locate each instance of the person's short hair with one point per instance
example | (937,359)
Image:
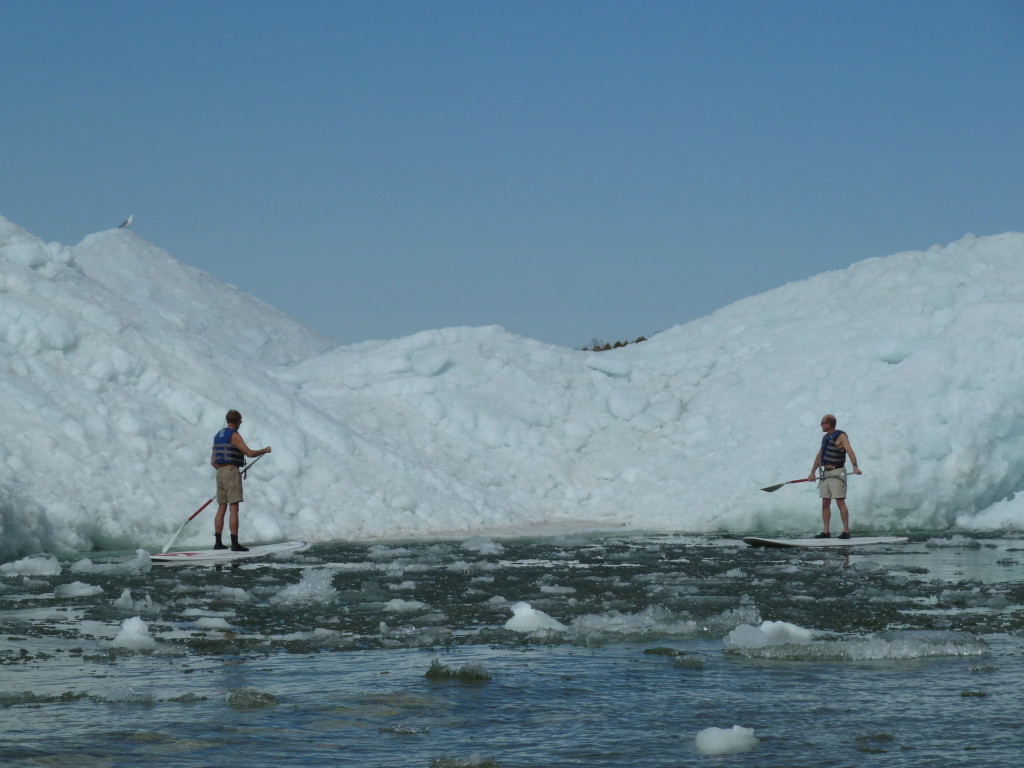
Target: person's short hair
(828,418)
(233,417)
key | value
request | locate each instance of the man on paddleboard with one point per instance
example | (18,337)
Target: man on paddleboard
(229,453)
(831,458)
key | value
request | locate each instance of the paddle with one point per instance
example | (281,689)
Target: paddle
(175,536)
(773,488)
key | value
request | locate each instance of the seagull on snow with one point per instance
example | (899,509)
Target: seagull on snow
(127,223)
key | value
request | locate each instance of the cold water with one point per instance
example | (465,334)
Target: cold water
(583,650)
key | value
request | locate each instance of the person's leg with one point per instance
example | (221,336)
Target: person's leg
(826,515)
(218,526)
(235,546)
(844,513)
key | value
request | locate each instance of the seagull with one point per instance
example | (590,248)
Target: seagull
(127,223)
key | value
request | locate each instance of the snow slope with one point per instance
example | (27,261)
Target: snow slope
(118,363)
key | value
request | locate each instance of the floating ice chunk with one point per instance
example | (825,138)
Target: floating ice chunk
(211,622)
(126,603)
(315,587)
(399,606)
(236,595)
(527,619)
(77,589)
(483,545)
(141,563)
(726,741)
(554,589)
(134,636)
(767,633)
(955,542)
(40,565)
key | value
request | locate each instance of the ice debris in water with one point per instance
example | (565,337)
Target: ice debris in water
(726,741)
(954,542)
(41,565)
(139,564)
(483,546)
(126,603)
(315,587)
(77,589)
(527,619)
(768,633)
(235,595)
(134,636)
(404,606)
(787,641)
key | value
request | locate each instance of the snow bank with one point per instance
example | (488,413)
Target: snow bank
(117,364)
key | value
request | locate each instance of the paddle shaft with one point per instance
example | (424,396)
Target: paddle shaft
(208,503)
(773,488)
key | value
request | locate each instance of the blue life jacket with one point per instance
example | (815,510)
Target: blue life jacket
(831,453)
(224,452)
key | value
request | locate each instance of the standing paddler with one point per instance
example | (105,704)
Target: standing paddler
(831,459)
(229,453)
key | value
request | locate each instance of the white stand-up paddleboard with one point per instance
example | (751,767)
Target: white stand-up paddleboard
(214,556)
(856,541)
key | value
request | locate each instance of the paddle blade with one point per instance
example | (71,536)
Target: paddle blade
(173,538)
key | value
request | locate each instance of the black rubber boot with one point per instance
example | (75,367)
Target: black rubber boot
(217,543)
(235,546)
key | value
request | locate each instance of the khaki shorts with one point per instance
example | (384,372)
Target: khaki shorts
(229,485)
(832,484)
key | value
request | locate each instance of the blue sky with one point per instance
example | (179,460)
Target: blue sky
(568,170)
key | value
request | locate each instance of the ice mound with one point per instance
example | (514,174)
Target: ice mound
(77,589)
(134,636)
(126,603)
(726,741)
(525,618)
(315,587)
(768,633)
(41,565)
(138,565)
(784,641)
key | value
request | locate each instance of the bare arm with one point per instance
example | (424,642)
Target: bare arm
(239,443)
(844,443)
(817,463)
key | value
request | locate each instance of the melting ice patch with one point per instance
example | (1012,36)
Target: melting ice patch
(525,618)
(141,563)
(77,589)
(126,603)
(314,587)
(783,641)
(766,634)
(134,635)
(726,741)
(42,565)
